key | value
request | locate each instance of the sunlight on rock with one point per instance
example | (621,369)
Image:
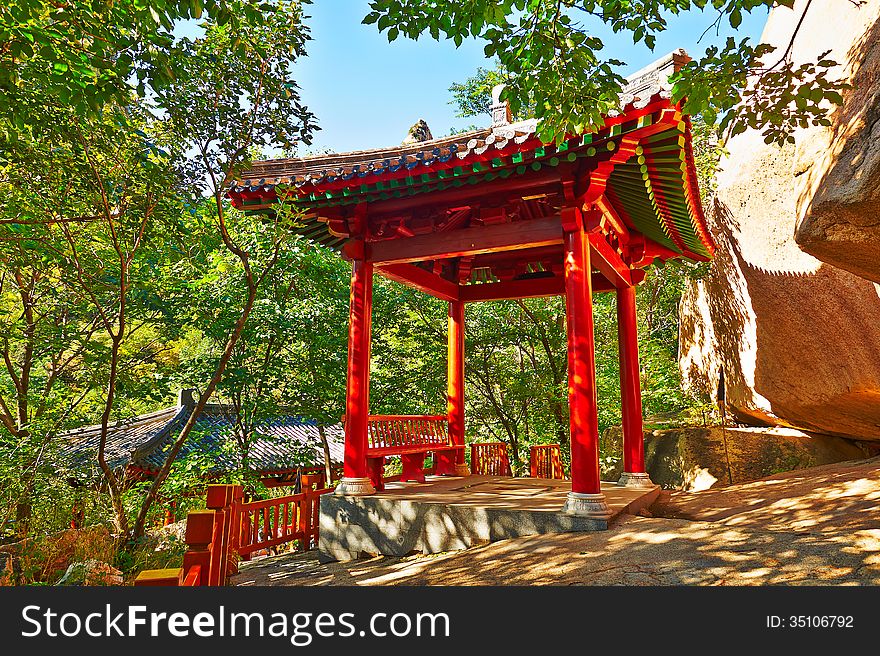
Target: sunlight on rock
(698,479)
(760,572)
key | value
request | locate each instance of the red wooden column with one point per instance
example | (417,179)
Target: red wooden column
(455,384)
(586,498)
(634,474)
(355,477)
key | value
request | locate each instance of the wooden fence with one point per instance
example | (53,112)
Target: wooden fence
(490,458)
(545,461)
(231,528)
(272,522)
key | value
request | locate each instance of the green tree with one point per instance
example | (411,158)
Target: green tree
(82,55)
(222,119)
(554,58)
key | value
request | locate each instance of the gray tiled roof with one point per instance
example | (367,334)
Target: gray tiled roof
(281,443)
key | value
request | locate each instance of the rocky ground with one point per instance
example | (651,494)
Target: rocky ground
(816,526)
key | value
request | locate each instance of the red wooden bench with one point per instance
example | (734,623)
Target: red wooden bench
(411,437)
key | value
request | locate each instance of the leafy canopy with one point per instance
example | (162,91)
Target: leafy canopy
(554,59)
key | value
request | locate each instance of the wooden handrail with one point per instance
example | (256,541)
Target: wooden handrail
(231,528)
(271,522)
(193,576)
(396,417)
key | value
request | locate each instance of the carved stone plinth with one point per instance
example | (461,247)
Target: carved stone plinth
(637,480)
(354,487)
(586,505)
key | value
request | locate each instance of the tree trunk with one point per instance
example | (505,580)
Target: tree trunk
(152,493)
(326,445)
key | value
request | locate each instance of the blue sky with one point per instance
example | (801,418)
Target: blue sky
(367,92)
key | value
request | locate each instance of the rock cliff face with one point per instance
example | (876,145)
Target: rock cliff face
(699,458)
(783,337)
(839,204)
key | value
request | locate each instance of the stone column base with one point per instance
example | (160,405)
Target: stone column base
(586,505)
(354,487)
(461,469)
(637,480)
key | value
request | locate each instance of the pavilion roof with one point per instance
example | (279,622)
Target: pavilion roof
(281,444)
(654,189)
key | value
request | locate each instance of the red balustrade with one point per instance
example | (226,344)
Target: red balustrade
(271,522)
(490,458)
(545,461)
(231,528)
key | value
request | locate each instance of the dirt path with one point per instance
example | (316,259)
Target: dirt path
(819,526)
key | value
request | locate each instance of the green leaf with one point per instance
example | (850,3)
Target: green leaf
(735,18)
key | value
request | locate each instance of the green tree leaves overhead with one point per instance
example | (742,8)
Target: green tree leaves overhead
(553,59)
(83,54)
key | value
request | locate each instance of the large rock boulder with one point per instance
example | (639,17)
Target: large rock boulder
(784,338)
(839,166)
(699,458)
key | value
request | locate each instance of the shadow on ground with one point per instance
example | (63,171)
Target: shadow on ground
(819,526)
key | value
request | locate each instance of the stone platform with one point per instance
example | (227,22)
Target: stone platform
(451,513)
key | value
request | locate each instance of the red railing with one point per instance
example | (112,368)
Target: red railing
(396,431)
(230,529)
(490,458)
(271,522)
(193,576)
(545,461)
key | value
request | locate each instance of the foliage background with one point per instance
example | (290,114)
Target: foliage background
(125,275)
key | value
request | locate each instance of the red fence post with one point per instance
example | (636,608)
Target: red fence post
(237,494)
(199,532)
(220,499)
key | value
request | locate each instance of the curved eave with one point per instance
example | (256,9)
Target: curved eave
(693,191)
(662,197)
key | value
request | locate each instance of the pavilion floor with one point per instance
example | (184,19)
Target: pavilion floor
(450,513)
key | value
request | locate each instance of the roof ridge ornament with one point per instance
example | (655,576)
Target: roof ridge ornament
(500,109)
(651,80)
(418,133)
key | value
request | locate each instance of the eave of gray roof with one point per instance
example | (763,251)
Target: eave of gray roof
(288,442)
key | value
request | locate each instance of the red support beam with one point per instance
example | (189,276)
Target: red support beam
(614,219)
(524,256)
(455,380)
(355,479)
(468,241)
(529,288)
(418,278)
(581,366)
(546,181)
(608,261)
